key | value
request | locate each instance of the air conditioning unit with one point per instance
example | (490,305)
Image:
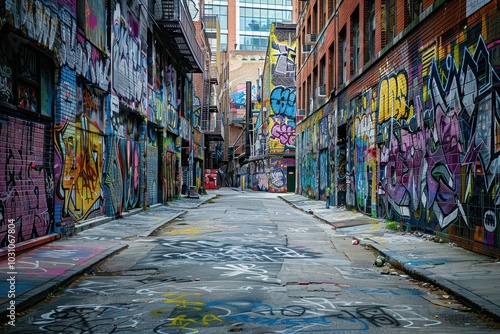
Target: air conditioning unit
(307,48)
(301,112)
(311,39)
(321,91)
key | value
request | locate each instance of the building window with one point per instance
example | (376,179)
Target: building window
(34,82)
(323,13)
(260,19)
(415,8)
(322,72)
(26,79)
(90,18)
(80,14)
(390,23)
(412,10)
(331,66)
(255,24)
(7,72)
(220,12)
(370,30)
(253,43)
(342,57)
(355,42)
(314,19)
(331,7)
(310,94)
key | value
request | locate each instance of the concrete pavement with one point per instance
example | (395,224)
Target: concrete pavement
(472,278)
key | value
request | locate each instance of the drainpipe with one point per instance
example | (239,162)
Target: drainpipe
(145,186)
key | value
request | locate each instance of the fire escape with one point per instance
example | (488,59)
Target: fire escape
(211,120)
(173,18)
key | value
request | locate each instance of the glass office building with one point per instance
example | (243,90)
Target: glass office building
(245,24)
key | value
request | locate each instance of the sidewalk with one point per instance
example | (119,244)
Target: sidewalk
(43,270)
(472,278)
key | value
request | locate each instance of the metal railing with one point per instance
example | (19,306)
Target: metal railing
(177,21)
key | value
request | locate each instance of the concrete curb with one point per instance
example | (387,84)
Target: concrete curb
(471,300)
(27,245)
(163,222)
(88,224)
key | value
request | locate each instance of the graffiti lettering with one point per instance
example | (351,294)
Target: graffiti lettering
(207,251)
(81,152)
(392,97)
(283,102)
(6,82)
(89,318)
(284,133)
(277,177)
(129,70)
(49,28)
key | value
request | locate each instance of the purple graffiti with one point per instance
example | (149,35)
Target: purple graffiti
(426,158)
(23,195)
(283,132)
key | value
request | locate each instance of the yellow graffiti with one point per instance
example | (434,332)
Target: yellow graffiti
(427,55)
(374,100)
(183,321)
(180,304)
(191,230)
(159,110)
(81,149)
(392,97)
(181,301)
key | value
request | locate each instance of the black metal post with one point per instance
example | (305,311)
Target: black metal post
(248,118)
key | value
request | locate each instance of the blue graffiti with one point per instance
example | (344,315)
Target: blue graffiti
(283,102)
(239,98)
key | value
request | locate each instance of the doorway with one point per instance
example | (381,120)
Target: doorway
(290,179)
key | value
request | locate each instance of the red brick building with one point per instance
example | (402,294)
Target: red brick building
(400,105)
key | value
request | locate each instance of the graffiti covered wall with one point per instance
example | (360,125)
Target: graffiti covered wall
(308,155)
(26,190)
(282,100)
(416,139)
(437,161)
(274,137)
(81,117)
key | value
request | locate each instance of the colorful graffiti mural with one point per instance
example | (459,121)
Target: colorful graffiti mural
(122,175)
(129,61)
(275,128)
(57,31)
(282,99)
(420,145)
(152,166)
(82,97)
(438,164)
(80,149)
(277,176)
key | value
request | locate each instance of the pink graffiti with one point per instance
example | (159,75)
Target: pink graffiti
(285,134)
